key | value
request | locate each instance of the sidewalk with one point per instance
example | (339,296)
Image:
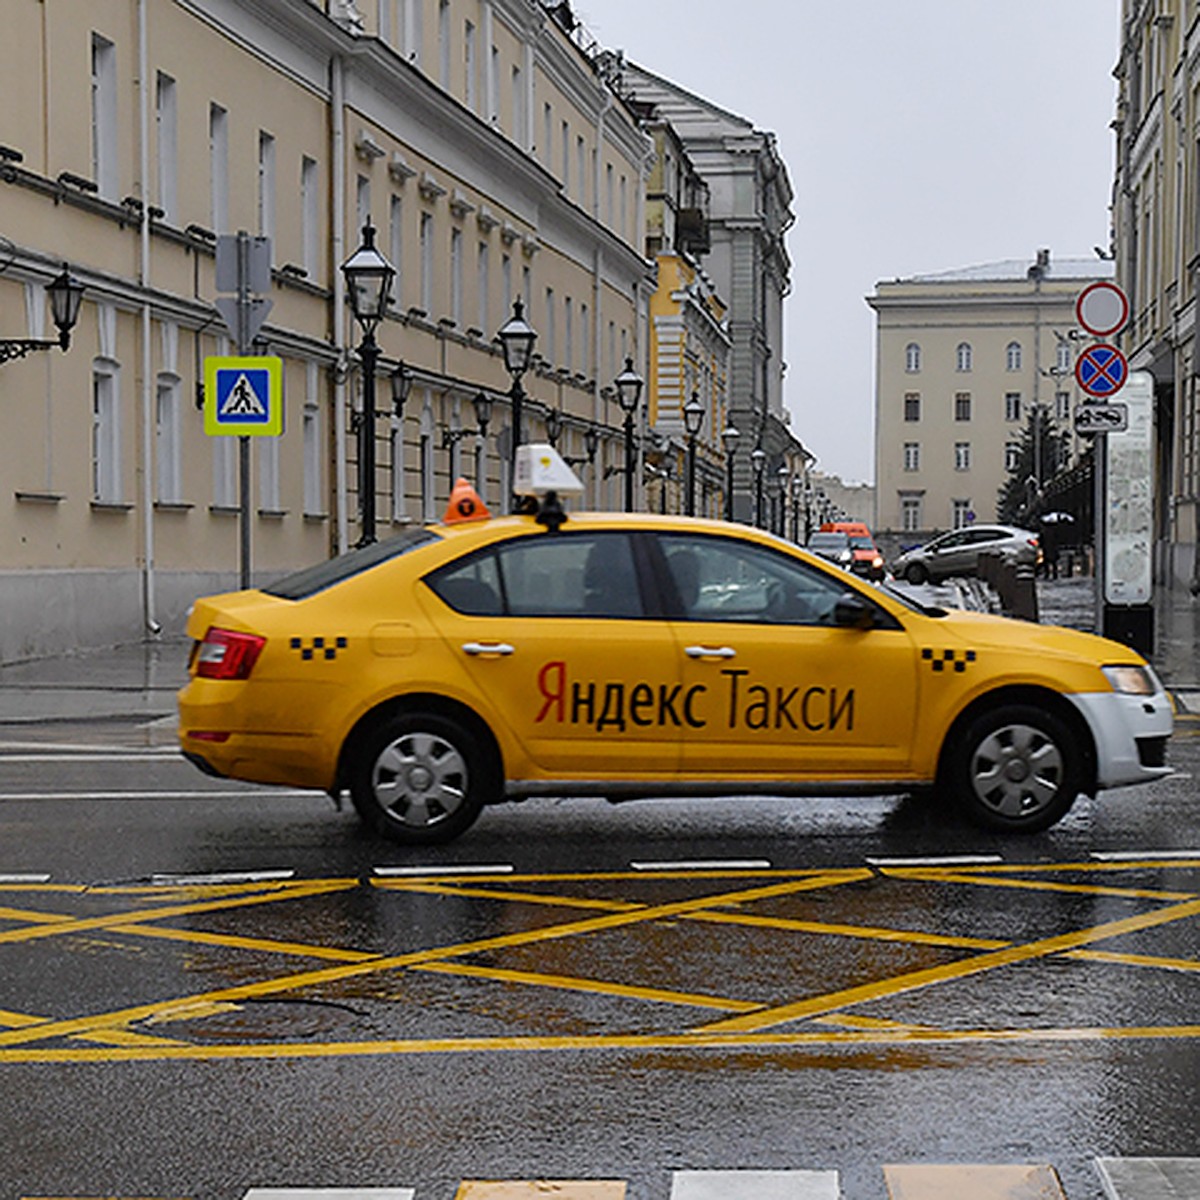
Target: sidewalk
(134,686)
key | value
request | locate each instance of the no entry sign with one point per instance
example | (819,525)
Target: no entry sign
(1102,308)
(1101,370)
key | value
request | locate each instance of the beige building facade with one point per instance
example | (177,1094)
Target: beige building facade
(481,140)
(1156,230)
(962,358)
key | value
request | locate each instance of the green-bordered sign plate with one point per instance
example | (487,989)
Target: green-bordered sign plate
(243,396)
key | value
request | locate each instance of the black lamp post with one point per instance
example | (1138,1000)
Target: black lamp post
(693,419)
(554,424)
(516,339)
(758,460)
(401,381)
(783,474)
(368,282)
(66,295)
(797,487)
(629,392)
(729,439)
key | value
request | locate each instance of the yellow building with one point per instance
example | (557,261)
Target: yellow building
(480,139)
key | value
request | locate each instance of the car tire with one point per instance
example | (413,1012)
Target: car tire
(419,778)
(916,573)
(1015,768)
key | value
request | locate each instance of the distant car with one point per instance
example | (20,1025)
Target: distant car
(867,562)
(834,547)
(957,552)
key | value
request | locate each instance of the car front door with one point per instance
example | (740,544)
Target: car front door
(555,632)
(771,686)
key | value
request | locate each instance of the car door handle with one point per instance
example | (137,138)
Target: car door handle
(710,652)
(477,648)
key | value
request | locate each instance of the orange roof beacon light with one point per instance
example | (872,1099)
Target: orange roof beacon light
(465,504)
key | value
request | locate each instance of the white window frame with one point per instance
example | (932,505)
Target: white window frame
(427,262)
(168,439)
(911,519)
(912,456)
(483,270)
(912,358)
(266,185)
(964,357)
(1013,356)
(314,445)
(1012,406)
(218,158)
(106,431)
(310,214)
(456,277)
(962,456)
(105,140)
(166,124)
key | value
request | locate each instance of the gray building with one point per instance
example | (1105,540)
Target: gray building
(750,213)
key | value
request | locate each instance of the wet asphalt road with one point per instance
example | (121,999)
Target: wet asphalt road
(338,1082)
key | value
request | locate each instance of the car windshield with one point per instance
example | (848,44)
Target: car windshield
(314,579)
(862,543)
(829,541)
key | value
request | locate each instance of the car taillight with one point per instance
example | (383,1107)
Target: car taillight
(224,654)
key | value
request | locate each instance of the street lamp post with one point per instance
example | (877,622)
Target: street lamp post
(758,460)
(516,339)
(65,294)
(693,419)
(368,283)
(783,474)
(729,439)
(629,392)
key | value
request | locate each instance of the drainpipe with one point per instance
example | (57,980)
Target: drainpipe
(148,448)
(337,100)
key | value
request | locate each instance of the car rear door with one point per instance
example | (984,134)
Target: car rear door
(556,632)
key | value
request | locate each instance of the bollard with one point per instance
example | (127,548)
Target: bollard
(1024,603)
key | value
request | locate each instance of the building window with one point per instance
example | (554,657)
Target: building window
(581,168)
(1012,455)
(427,262)
(470,96)
(963,357)
(218,155)
(266,185)
(912,358)
(550,339)
(362,202)
(167,439)
(314,493)
(1012,406)
(568,334)
(585,341)
(962,456)
(912,456)
(1062,405)
(519,131)
(910,513)
(268,474)
(106,433)
(912,406)
(396,246)
(483,286)
(309,216)
(444,44)
(566,157)
(167,127)
(962,406)
(961,513)
(1012,356)
(456,275)
(104,116)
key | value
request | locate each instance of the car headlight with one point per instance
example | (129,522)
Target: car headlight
(1131,680)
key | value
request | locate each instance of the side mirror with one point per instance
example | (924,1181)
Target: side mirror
(853,612)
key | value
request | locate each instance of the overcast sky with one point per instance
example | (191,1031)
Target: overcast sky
(920,136)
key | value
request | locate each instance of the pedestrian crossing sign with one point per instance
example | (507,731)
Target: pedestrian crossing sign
(243,396)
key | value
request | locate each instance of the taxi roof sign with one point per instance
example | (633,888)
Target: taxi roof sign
(541,469)
(465,504)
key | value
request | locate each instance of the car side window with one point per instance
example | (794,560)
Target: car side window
(720,579)
(571,575)
(471,587)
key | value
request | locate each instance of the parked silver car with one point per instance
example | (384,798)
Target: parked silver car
(957,552)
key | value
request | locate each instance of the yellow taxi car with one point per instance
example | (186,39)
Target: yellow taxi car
(629,656)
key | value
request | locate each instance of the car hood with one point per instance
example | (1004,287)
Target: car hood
(985,629)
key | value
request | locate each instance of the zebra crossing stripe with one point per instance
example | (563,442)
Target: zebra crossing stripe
(755,1185)
(979,1181)
(1149,1178)
(330,1194)
(539,1189)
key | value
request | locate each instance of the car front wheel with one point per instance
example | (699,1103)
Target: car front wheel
(419,779)
(1016,768)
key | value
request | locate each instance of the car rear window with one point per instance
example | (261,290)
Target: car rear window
(317,578)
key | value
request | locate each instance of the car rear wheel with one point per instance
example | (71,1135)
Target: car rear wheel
(1016,768)
(419,779)
(916,573)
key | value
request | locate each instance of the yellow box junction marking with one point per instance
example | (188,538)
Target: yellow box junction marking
(829,1017)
